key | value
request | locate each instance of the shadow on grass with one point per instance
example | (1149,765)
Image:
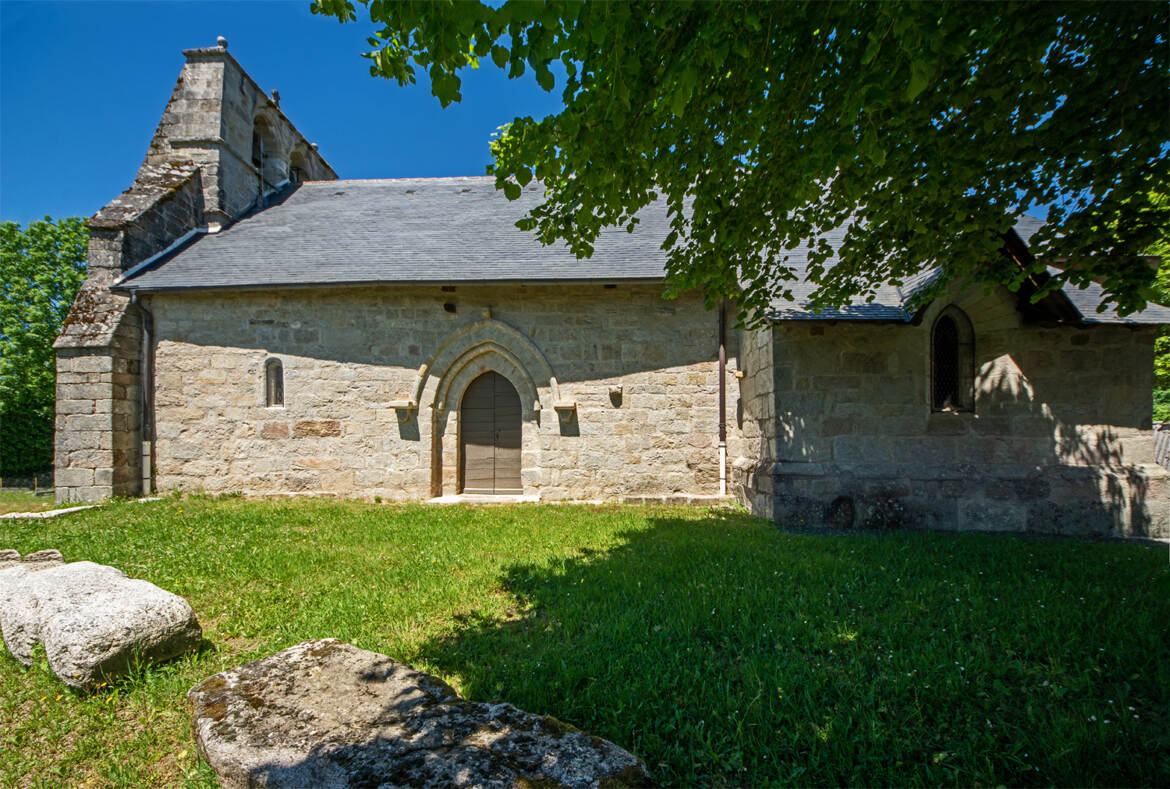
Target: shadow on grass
(135,670)
(727,653)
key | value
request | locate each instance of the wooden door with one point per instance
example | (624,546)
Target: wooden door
(489,436)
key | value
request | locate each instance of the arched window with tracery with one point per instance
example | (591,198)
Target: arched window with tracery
(952,362)
(273,383)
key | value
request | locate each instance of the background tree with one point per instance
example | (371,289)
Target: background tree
(1162,345)
(925,128)
(41,268)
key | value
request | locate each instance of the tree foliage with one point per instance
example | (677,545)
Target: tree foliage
(1161,250)
(925,128)
(41,268)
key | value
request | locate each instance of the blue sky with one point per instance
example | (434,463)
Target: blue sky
(83,83)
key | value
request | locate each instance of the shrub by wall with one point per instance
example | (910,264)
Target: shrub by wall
(41,268)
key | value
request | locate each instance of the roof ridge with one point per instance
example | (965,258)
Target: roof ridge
(401,180)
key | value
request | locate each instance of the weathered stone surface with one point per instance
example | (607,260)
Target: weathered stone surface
(42,560)
(325,714)
(92,619)
(9,558)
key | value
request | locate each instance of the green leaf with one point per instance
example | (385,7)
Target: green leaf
(919,79)
(871,50)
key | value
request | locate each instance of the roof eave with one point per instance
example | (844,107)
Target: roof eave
(129,287)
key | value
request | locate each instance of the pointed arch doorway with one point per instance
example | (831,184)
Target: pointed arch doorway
(489,437)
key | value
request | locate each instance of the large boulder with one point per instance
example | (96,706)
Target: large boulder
(94,622)
(327,714)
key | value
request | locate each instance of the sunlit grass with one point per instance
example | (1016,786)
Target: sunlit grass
(717,648)
(13,500)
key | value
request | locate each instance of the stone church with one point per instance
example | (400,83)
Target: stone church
(251,323)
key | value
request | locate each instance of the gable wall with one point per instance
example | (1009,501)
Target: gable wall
(351,355)
(195,174)
(1058,441)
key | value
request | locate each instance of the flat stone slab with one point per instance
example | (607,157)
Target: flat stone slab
(327,714)
(94,622)
(47,513)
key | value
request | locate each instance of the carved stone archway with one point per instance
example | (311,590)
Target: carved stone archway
(488,345)
(486,332)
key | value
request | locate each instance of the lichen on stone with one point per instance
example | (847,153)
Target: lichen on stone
(326,713)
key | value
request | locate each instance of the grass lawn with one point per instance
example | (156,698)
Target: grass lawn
(13,500)
(719,649)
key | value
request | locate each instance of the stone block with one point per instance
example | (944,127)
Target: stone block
(1010,489)
(92,364)
(947,423)
(73,477)
(302,462)
(343,481)
(91,391)
(274,430)
(838,426)
(75,406)
(93,621)
(310,428)
(984,515)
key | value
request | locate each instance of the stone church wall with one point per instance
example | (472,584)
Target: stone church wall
(640,374)
(1059,440)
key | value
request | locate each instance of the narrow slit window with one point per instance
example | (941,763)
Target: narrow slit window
(952,362)
(273,383)
(946,364)
(257,148)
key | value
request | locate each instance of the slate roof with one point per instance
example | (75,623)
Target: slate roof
(462,230)
(417,230)
(1086,300)
(1027,226)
